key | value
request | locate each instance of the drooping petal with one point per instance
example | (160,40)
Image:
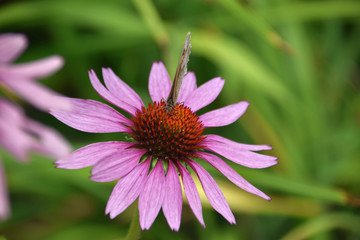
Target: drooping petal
(152,196)
(205,94)
(187,87)
(20,134)
(213,192)
(108,96)
(90,154)
(11,46)
(191,193)
(92,116)
(116,165)
(35,69)
(4,196)
(38,95)
(14,140)
(127,189)
(224,116)
(159,82)
(47,140)
(245,158)
(11,113)
(172,204)
(241,146)
(120,89)
(231,174)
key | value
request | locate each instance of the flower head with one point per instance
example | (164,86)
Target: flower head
(164,144)
(19,134)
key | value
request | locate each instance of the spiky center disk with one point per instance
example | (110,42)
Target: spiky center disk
(174,135)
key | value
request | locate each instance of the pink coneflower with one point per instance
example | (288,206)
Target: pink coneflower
(163,145)
(21,77)
(19,134)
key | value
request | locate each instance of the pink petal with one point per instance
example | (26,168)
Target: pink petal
(116,165)
(187,87)
(108,96)
(35,69)
(231,174)
(14,140)
(172,204)
(4,196)
(128,189)
(38,95)
(92,116)
(11,113)
(241,146)
(224,116)
(205,94)
(11,46)
(21,134)
(191,193)
(48,141)
(159,82)
(245,158)
(213,192)
(90,154)
(151,198)
(120,89)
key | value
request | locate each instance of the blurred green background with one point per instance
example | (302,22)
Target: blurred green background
(296,62)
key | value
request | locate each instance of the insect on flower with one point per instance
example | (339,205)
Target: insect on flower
(179,75)
(149,167)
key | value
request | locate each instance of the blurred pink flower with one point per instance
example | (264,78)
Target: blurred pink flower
(4,197)
(163,145)
(20,78)
(19,134)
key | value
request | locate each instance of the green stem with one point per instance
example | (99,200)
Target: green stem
(134,230)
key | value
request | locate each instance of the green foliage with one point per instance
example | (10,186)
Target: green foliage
(296,62)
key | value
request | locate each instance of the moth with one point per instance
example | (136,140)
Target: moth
(181,71)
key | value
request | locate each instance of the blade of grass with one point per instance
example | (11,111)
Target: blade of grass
(153,20)
(325,223)
(304,11)
(241,201)
(231,54)
(255,24)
